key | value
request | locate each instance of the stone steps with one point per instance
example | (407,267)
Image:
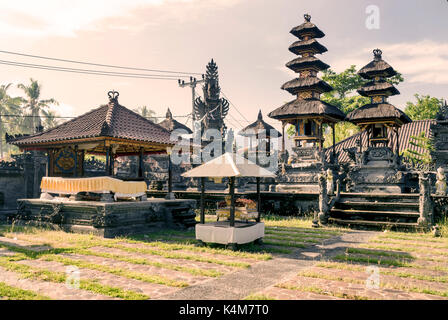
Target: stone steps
(376,210)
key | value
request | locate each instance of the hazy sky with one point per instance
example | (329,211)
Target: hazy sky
(247,38)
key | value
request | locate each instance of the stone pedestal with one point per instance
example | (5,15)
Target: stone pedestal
(222,233)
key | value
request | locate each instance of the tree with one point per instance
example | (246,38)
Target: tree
(426,107)
(419,159)
(34,104)
(10,106)
(147,113)
(50,120)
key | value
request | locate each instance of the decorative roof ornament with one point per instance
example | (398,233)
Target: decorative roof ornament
(377,53)
(307,17)
(113,95)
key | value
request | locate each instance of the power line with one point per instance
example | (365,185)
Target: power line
(85,71)
(61,117)
(234,106)
(96,64)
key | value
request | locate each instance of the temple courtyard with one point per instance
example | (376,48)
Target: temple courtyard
(295,261)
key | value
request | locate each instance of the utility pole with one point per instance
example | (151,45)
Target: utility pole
(192,84)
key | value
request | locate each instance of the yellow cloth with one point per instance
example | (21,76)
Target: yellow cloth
(96,184)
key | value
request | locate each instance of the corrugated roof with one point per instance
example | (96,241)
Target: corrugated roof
(405,132)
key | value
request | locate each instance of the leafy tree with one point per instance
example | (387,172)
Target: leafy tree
(50,120)
(426,107)
(34,104)
(8,105)
(419,159)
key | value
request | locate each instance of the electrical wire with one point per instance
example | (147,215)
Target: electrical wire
(95,64)
(92,72)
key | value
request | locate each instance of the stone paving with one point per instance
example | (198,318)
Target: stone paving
(297,263)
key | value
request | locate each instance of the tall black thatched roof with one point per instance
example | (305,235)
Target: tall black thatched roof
(377,67)
(381,87)
(301,63)
(296,85)
(308,45)
(307,28)
(377,112)
(306,107)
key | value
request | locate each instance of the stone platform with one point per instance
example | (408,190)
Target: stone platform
(106,219)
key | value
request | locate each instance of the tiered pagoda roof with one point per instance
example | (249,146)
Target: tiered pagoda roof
(378,89)
(308,87)
(260,126)
(171,124)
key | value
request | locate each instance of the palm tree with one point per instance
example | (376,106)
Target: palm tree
(147,113)
(50,120)
(34,104)
(8,105)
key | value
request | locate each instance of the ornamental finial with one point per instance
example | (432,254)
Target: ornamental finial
(307,17)
(377,53)
(113,95)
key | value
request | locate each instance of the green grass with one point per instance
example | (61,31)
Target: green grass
(321,291)
(59,277)
(141,261)
(116,271)
(407,243)
(287,244)
(383,285)
(13,293)
(302,235)
(292,238)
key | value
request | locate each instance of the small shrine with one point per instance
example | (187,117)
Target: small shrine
(307,113)
(259,133)
(260,150)
(378,168)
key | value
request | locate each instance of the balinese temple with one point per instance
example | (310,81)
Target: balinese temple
(259,133)
(378,168)
(307,113)
(110,130)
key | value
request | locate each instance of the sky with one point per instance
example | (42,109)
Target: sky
(248,39)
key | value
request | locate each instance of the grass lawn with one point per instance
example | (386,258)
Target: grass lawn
(144,266)
(391,265)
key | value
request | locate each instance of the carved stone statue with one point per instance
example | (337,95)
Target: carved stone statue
(212,110)
(330,182)
(441,187)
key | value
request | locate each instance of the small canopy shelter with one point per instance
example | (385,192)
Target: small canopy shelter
(231,166)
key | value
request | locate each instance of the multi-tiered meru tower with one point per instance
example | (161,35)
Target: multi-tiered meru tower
(307,113)
(378,167)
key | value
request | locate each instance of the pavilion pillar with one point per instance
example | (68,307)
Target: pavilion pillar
(140,163)
(47,167)
(75,173)
(232,200)
(258,200)
(397,149)
(283,137)
(170,194)
(334,141)
(202,183)
(107,161)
